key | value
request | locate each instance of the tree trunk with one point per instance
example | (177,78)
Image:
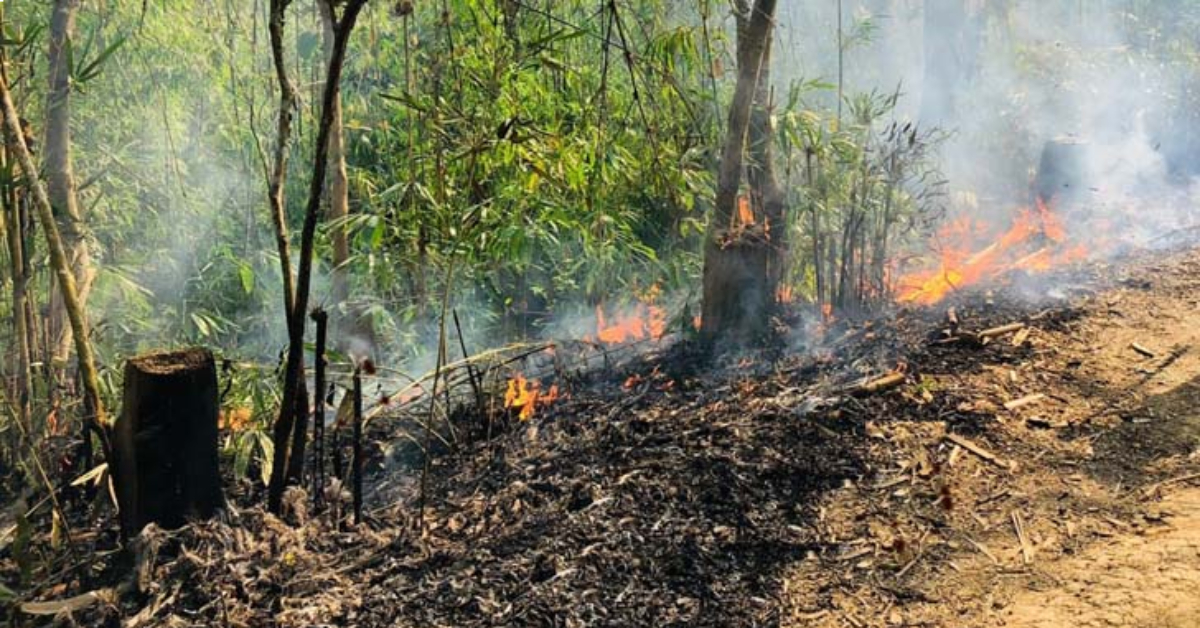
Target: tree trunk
(349,321)
(767,198)
(293,381)
(165,441)
(339,194)
(15,241)
(736,292)
(275,192)
(60,175)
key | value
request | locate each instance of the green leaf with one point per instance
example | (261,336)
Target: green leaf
(241,459)
(201,325)
(377,235)
(246,274)
(87,71)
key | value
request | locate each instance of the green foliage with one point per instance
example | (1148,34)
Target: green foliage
(530,163)
(86,68)
(870,185)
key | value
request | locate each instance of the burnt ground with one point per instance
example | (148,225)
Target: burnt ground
(765,492)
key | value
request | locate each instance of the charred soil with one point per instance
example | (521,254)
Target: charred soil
(906,471)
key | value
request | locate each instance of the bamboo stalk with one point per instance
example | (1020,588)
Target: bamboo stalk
(318,465)
(61,266)
(462,345)
(283,135)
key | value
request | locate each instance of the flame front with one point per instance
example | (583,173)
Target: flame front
(646,321)
(1036,242)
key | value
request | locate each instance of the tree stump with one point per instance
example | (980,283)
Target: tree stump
(165,441)
(737,298)
(1062,175)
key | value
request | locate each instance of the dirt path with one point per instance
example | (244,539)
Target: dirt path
(1149,577)
(1070,527)
(1144,581)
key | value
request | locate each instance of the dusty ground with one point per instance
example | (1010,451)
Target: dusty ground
(1149,580)
(771,491)
(1096,473)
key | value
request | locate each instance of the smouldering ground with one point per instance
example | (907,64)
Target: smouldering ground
(769,493)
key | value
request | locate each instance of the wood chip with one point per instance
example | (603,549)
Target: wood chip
(1041,422)
(1024,401)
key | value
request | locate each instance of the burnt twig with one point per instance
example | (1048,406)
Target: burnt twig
(358,462)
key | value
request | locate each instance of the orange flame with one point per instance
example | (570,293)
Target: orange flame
(645,321)
(1033,243)
(745,216)
(525,396)
(785,294)
(235,419)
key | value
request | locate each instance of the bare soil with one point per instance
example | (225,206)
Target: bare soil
(1097,473)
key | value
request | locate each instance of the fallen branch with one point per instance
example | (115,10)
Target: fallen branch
(1026,547)
(71,604)
(983,337)
(879,384)
(984,550)
(1000,331)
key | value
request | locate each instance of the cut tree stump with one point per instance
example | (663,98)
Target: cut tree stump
(165,441)
(1062,175)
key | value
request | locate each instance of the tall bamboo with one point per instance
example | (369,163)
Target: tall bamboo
(59,262)
(60,174)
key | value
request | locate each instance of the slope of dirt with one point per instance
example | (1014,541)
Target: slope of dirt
(1066,526)
(1150,580)
(1048,466)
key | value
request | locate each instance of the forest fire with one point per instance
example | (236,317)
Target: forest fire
(524,396)
(1037,241)
(645,322)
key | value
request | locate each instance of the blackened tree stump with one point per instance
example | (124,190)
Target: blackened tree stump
(1062,175)
(165,441)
